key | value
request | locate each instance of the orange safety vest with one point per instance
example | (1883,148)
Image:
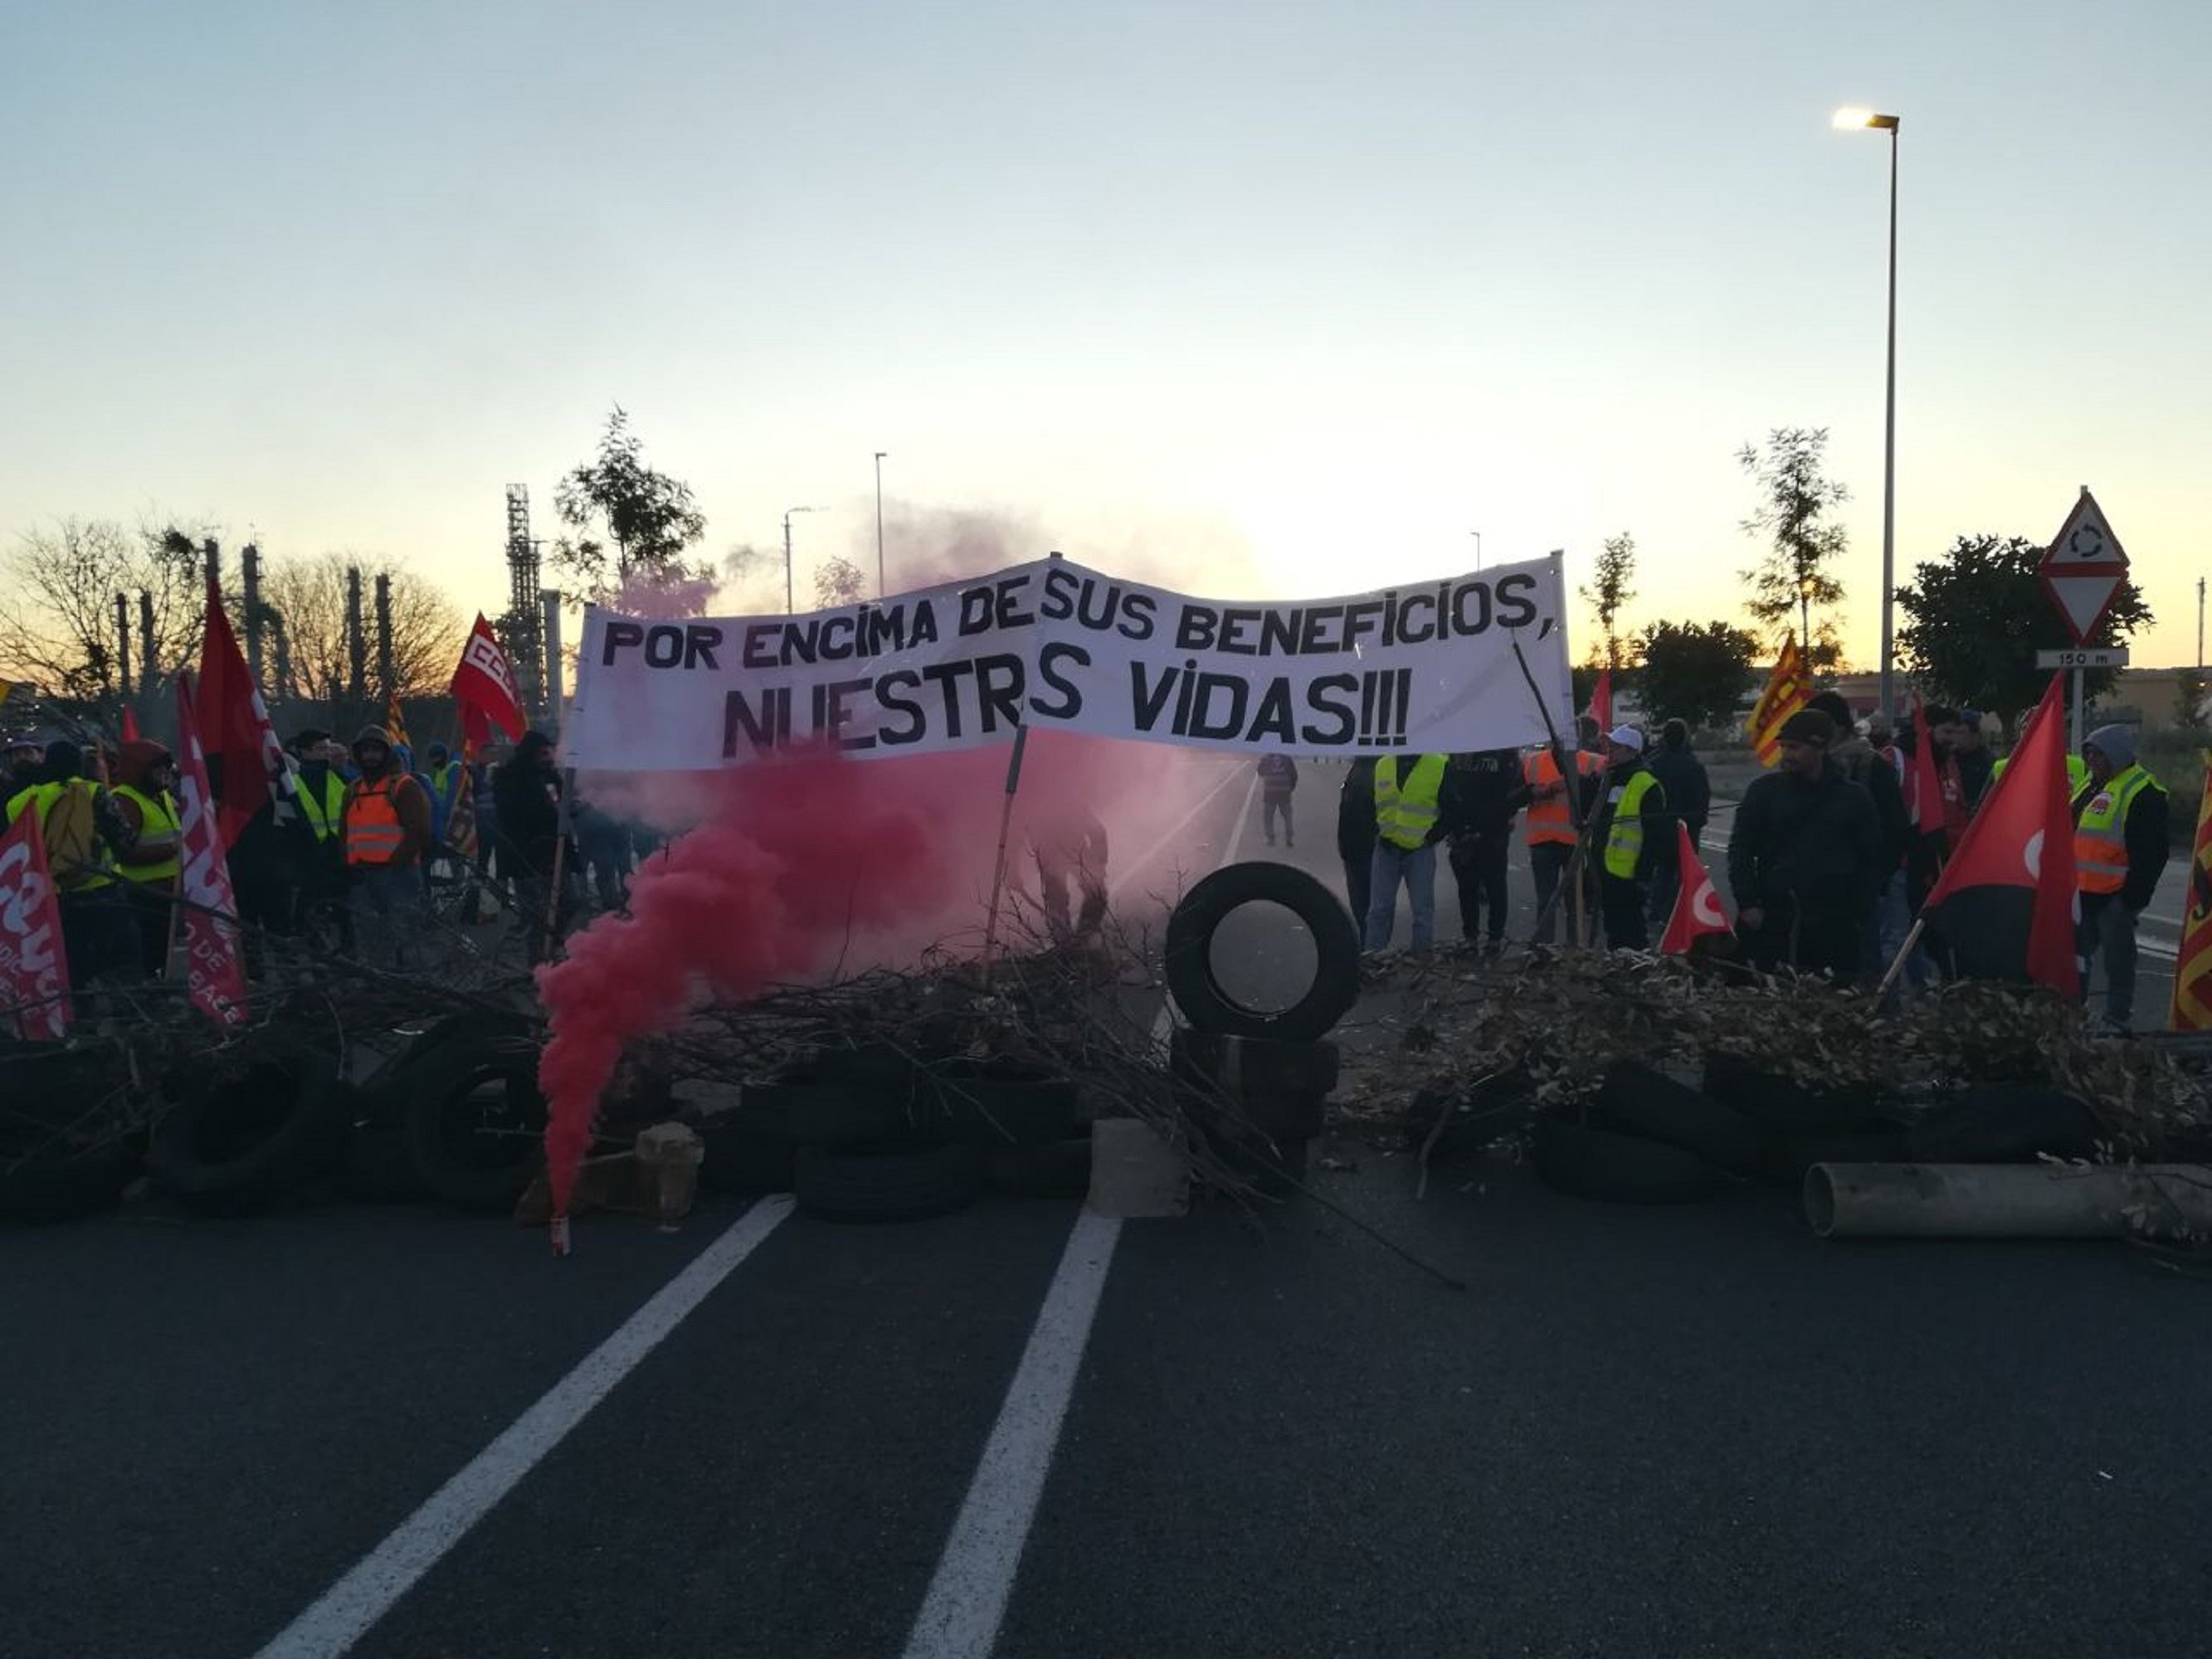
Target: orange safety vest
(1549,820)
(372,829)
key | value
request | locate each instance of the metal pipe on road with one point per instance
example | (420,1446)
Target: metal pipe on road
(2008,1200)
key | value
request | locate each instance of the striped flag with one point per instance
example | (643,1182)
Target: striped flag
(396,723)
(1789,689)
(461,820)
(2192,968)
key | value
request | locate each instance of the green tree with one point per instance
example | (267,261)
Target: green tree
(629,520)
(838,582)
(1791,586)
(1609,594)
(1696,673)
(1976,619)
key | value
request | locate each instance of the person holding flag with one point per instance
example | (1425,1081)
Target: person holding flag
(1804,860)
(2191,1008)
(2119,852)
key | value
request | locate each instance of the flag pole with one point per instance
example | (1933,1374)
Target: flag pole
(999,866)
(1903,950)
(1572,785)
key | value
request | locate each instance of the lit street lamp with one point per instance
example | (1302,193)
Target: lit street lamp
(1859,120)
(790,594)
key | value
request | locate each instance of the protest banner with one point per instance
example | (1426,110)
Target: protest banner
(1420,668)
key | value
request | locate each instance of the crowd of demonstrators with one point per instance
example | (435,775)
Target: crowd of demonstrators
(1278,782)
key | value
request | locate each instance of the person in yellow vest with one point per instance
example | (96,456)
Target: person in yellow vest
(2077,773)
(1631,836)
(1408,824)
(146,782)
(316,853)
(386,833)
(1550,827)
(84,837)
(2119,850)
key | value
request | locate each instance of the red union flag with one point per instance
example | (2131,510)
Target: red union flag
(207,930)
(1698,914)
(484,686)
(33,971)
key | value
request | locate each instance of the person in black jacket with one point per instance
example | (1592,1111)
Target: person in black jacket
(1857,759)
(1690,795)
(527,790)
(1356,835)
(1482,794)
(1804,859)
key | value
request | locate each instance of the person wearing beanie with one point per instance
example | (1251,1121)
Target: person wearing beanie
(1976,763)
(85,837)
(1804,860)
(1689,796)
(2120,851)
(385,835)
(1631,835)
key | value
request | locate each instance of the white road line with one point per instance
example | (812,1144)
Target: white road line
(1115,888)
(967,1600)
(356,1602)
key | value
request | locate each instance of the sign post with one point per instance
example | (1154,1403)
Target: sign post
(2082,573)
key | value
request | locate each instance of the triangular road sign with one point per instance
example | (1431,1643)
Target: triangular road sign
(2085,542)
(2083,600)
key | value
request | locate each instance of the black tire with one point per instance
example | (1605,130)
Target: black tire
(1639,1101)
(1784,1107)
(1615,1168)
(984,1110)
(741,1159)
(1237,1065)
(1206,1007)
(474,1122)
(57,1160)
(2004,1123)
(1052,1169)
(825,1114)
(1788,1158)
(887,1184)
(238,1142)
(373,1167)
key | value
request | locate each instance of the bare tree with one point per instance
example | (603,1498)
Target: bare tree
(57,588)
(838,582)
(309,597)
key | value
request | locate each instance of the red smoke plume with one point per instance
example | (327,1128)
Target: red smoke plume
(801,856)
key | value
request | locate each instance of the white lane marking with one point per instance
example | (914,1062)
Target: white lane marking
(967,1600)
(365,1594)
(1114,889)
(2152,948)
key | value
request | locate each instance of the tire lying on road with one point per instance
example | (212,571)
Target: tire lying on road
(236,1142)
(1207,1007)
(59,1155)
(892,1183)
(1606,1165)
(1791,1156)
(1786,1107)
(1237,1065)
(2004,1123)
(1001,1108)
(1640,1100)
(473,1121)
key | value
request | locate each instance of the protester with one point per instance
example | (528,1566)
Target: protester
(314,855)
(85,838)
(1977,766)
(386,837)
(146,782)
(1279,779)
(1551,828)
(1857,759)
(1804,859)
(1631,832)
(19,765)
(603,844)
(2120,848)
(1069,844)
(1689,798)
(1408,824)
(528,795)
(441,778)
(1355,835)
(1482,792)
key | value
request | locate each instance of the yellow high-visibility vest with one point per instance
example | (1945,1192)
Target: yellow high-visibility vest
(1404,814)
(1623,841)
(160,832)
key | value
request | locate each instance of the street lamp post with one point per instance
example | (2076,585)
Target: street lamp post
(1859,119)
(880,589)
(1477,534)
(790,592)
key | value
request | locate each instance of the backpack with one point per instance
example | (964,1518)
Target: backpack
(74,848)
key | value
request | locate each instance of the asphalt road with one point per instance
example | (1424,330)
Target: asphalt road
(1667,1432)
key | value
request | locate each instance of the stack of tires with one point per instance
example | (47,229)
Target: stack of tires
(1647,1137)
(1254,1082)
(876,1134)
(62,1153)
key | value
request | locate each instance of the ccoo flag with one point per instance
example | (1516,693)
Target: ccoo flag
(484,687)
(2192,968)
(1698,914)
(2004,905)
(1789,689)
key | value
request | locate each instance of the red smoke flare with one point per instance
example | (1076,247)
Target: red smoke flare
(798,858)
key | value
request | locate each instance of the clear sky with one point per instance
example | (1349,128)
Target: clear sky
(1264,299)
